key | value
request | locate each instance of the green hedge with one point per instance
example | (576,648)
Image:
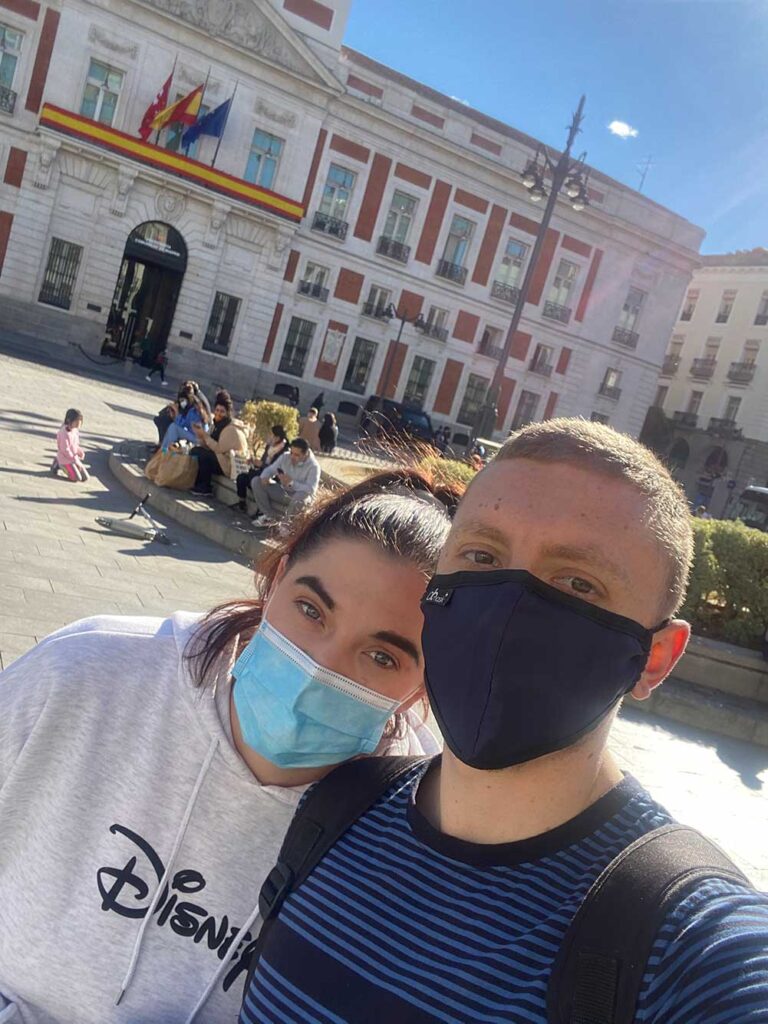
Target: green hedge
(260,417)
(728,592)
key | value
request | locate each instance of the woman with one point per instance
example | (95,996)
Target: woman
(191,411)
(143,797)
(277,445)
(216,451)
(329,434)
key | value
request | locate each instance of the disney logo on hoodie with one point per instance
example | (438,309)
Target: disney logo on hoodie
(121,888)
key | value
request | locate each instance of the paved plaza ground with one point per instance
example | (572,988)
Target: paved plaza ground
(57,565)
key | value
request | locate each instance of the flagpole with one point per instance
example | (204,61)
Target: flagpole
(226,119)
(202,100)
(173,72)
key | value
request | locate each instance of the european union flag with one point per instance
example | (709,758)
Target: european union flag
(213,123)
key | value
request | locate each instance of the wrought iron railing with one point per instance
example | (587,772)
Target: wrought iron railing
(313,290)
(540,367)
(625,337)
(610,391)
(394,250)
(329,225)
(741,373)
(724,428)
(685,419)
(377,310)
(554,311)
(703,368)
(7,99)
(670,366)
(451,271)
(505,292)
(435,331)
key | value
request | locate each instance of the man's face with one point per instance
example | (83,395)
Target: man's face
(573,528)
(297,456)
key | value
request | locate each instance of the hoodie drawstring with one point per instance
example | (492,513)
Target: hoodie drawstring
(168,870)
(223,966)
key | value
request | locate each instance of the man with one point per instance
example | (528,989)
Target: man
(288,484)
(309,429)
(449,899)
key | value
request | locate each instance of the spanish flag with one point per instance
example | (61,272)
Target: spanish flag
(184,110)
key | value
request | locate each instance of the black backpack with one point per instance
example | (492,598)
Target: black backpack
(599,968)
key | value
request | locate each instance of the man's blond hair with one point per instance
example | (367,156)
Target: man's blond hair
(601,449)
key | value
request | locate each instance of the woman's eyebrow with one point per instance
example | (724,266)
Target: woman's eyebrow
(314,584)
(397,640)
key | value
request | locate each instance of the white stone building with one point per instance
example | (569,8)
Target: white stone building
(340,187)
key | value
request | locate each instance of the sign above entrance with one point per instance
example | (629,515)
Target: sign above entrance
(85,130)
(157,243)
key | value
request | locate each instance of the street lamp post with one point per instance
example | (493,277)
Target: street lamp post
(564,172)
(417,321)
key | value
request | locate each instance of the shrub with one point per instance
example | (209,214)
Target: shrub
(449,472)
(728,593)
(260,417)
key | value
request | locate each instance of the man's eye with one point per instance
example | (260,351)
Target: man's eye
(382,659)
(308,610)
(577,585)
(478,557)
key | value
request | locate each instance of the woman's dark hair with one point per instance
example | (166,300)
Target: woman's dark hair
(72,416)
(279,431)
(329,420)
(224,399)
(402,512)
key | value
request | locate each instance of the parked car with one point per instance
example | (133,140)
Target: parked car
(752,508)
(384,418)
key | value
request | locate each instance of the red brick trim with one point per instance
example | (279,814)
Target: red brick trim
(449,382)
(520,345)
(290,266)
(505,397)
(466,326)
(326,370)
(589,284)
(433,222)
(410,303)
(273,329)
(563,360)
(483,143)
(351,149)
(413,176)
(312,176)
(551,403)
(310,10)
(26,8)
(362,86)
(542,269)
(374,193)
(490,244)
(14,169)
(473,202)
(349,284)
(427,115)
(42,60)
(574,245)
(516,220)
(6,222)
(392,368)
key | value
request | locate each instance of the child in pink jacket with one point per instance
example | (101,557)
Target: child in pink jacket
(70,455)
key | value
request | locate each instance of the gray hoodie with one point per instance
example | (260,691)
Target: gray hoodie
(133,838)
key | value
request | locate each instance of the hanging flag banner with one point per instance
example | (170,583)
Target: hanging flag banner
(183,111)
(213,123)
(159,103)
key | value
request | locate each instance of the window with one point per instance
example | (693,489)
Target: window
(377,302)
(661,396)
(314,282)
(612,378)
(263,159)
(711,348)
(726,305)
(359,366)
(732,408)
(761,317)
(60,274)
(10,49)
(175,132)
(337,192)
(418,382)
(102,88)
(491,342)
(694,402)
(400,217)
(689,306)
(297,345)
(458,241)
(526,409)
(600,417)
(474,396)
(564,283)
(542,360)
(221,323)
(676,345)
(750,352)
(510,271)
(437,323)
(630,313)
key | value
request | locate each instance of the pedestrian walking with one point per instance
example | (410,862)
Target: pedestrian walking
(159,364)
(328,434)
(69,452)
(309,429)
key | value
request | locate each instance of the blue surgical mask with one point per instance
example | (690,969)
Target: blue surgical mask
(296,713)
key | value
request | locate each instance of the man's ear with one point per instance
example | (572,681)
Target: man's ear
(666,650)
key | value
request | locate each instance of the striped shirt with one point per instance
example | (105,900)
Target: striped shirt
(401,923)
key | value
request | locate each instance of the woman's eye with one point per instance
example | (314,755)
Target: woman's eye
(382,659)
(308,610)
(478,557)
(577,585)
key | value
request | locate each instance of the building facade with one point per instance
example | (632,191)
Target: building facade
(713,387)
(341,191)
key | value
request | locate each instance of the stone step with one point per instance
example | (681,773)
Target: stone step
(726,668)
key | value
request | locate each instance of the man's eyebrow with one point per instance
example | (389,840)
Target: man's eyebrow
(397,640)
(588,553)
(477,528)
(314,584)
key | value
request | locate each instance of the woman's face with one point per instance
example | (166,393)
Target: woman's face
(355,610)
(219,412)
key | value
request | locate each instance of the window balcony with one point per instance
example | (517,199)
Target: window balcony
(554,311)
(670,366)
(625,337)
(328,225)
(723,428)
(451,271)
(313,290)
(487,348)
(435,331)
(610,391)
(7,99)
(686,315)
(722,318)
(394,250)
(540,367)
(505,292)
(761,319)
(741,373)
(702,369)
(685,419)
(376,310)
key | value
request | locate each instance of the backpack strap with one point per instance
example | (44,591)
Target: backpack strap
(599,968)
(330,807)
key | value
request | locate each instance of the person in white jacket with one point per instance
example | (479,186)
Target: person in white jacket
(144,795)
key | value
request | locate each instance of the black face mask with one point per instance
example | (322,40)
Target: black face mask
(516,669)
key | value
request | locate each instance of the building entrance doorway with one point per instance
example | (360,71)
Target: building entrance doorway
(147,288)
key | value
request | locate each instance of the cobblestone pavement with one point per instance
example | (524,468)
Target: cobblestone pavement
(57,565)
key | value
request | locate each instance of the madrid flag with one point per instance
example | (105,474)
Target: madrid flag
(184,110)
(159,103)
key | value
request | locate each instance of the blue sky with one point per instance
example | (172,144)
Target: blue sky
(690,75)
